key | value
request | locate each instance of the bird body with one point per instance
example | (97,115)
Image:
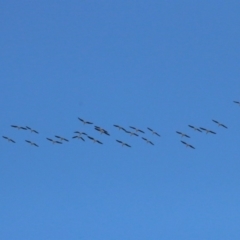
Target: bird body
(95,140)
(188,145)
(182,134)
(119,127)
(32,130)
(219,124)
(123,143)
(85,122)
(101,130)
(18,127)
(147,141)
(153,132)
(207,130)
(137,130)
(62,138)
(195,128)
(32,143)
(131,133)
(8,139)
(54,141)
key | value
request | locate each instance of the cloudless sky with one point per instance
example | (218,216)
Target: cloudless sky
(158,64)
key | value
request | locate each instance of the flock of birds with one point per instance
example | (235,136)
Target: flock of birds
(136,132)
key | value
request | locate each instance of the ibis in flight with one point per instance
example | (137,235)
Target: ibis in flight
(123,143)
(9,139)
(153,132)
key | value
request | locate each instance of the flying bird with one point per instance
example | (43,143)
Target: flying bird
(147,141)
(237,102)
(219,124)
(182,134)
(207,130)
(95,140)
(187,145)
(137,130)
(119,127)
(80,133)
(31,143)
(153,132)
(78,137)
(195,128)
(18,127)
(101,130)
(62,138)
(54,141)
(9,139)
(85,122)
(123,143)
(32,130)
(131,133)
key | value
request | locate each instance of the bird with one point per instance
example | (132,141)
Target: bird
(31,130)
(94,140)
(219,124)
(137,130)
(188,145)
(18,127)
(182,134)
(80,133)
(9,139)
(147,141)
(153,132)
(54,141)
(101,130)
(119,127)
(195,128)
(237,102)
(62,138)
(79,137)
(85,122)
(207,130)
(123,143)
(131,133)
(32,143)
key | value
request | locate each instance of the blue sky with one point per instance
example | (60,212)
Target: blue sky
(157,64)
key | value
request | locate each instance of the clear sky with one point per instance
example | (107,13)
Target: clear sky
(158,64)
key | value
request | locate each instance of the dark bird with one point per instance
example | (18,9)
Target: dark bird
(237,102)
(219,124)
(137,130)
(62,138)
(131,133)
(188,145)
(80,133)
(182,134)
(31,143)
(78,137)
(123,143)
(195,128)
(95,140)
(147,141)
(119,127)
(153,132)
(18,127)
(32,130)
(101,130)
(54,141)
(9,139)
(207,130)
(85,122)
